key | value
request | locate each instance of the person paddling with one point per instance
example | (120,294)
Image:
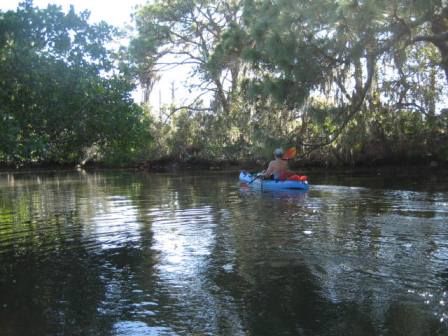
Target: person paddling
(278,168)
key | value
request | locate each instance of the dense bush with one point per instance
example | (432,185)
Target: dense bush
(62,99)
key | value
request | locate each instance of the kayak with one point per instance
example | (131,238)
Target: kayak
(259,183)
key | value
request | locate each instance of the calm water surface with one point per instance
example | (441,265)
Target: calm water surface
(123,253)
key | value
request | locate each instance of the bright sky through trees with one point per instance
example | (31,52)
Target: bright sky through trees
(118,13)
(113,12)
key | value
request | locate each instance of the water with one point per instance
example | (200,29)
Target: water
(124,253)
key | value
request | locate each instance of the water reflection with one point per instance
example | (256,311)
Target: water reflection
(114,223)
(120,253)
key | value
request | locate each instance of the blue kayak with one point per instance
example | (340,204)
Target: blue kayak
(258,183)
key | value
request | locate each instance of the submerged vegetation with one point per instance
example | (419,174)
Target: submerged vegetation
(347,82)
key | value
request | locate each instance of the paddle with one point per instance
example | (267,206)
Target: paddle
(257,176)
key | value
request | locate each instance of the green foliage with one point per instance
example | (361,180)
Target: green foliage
(346,81)
(59,94)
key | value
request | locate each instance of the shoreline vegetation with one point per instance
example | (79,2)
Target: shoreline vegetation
(348,85)
(178,166)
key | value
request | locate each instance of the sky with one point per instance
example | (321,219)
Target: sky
(118,13)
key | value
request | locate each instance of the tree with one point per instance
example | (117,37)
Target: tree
(186,32)
(60,89)
(320,74)
(296,48)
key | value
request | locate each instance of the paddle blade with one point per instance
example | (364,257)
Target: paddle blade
(290,153)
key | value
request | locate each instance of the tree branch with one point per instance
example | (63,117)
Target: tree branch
(357,102)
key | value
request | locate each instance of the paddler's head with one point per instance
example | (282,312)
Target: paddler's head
(278,153)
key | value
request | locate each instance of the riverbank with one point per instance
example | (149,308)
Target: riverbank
(258,165)
(175,166)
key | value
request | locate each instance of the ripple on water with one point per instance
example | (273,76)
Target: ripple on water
(137,328)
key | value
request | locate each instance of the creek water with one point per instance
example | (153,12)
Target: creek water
(126,253)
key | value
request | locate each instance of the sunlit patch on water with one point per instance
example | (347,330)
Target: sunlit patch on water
(183,238)
(138,328)
(114,222)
